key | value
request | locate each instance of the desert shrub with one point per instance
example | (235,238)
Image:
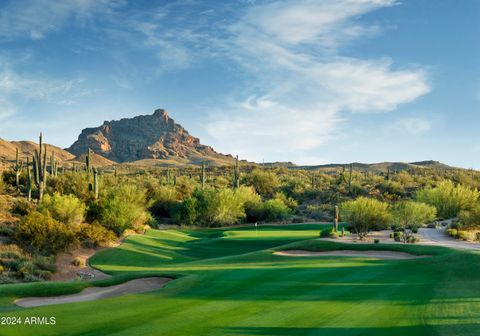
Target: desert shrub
(398,236)
(66,209)
(298,220)
(320,211)
(288,201)
(30,271)
(78,262)
(21,207)
(211,207)
(275,210)
(452,233)
(46,263)
(329,233)
(228,207)
(364,214)
(466,235)
(186,212)
(411,239)
(220,182)
(470,218)
(164,199)
(124,207)
(448,198)
(8,177)
(408,215)
(254,212)
(392,188)
(42,234)
(264,182)
(185,186)
(94,235)
(71,184)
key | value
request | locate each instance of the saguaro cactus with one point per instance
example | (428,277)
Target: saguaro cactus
(88,162)
(202,176)
(53,165)
(95,183)
(350,180)
(29,181)
(335,222)
(17,168)
(236,174)
(40,168)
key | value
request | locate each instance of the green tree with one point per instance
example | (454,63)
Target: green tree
(123,208)
(470,218)
(448,198)
(410,213)
(275,210)
(364,214)
(264,182)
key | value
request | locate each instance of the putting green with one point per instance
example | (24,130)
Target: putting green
(229,282)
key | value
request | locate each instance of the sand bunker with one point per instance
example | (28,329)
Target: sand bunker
(349,253)
(95,293)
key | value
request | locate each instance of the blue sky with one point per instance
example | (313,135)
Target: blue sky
(308,81)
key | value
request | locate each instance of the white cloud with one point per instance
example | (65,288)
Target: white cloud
(326,22)
(170,46)
(177,34)
(36,18)
(17,88)
(291,50)
(413,126)
(260,128)
(38,87)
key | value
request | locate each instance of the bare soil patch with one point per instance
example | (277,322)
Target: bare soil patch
(95,293)
(67,270)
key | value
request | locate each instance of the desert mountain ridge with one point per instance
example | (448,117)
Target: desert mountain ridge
(144,138)
(157,140)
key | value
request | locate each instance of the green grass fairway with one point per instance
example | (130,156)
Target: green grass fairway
(230,283)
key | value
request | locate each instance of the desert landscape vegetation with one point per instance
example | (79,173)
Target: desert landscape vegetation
(236,248)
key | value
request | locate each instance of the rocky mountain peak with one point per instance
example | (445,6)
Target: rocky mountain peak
(155,136)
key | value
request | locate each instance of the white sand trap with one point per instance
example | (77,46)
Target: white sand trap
(94,293)
(349,253)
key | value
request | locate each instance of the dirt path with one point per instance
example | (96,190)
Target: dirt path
(349,253)
(438,237)
(96,293)
(428,236)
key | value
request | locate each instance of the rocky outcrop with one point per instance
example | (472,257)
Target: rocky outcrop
(155,136)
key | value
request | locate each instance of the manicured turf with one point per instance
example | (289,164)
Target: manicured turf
(230,283)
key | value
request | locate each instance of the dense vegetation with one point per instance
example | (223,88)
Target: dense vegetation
(46,209)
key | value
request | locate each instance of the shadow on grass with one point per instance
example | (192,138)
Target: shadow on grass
(451,329)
